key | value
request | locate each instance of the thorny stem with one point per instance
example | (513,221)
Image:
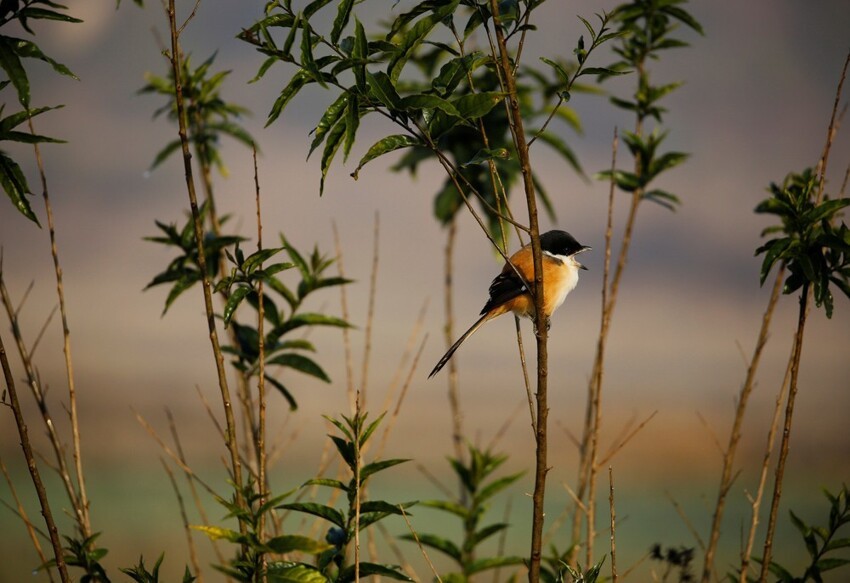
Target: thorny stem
(33,468)
(230,435)
(541,331)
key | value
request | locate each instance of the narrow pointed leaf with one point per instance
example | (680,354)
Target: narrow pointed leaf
(385,146)
(332,515)
(233,302)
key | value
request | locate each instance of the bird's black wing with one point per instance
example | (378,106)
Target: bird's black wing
(505,287)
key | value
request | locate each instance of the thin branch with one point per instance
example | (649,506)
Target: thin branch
(22,514)
(370,316)
(690,526)
(26,446)
(230,435)
(613,524)
(419,543)
(193,554)
(346,332)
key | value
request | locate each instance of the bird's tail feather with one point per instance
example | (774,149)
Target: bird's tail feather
(472,329)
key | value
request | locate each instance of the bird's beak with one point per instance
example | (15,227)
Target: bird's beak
(582,250)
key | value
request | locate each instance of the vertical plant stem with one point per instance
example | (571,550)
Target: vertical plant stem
(613,524)
(448,329)
(765,466)
(358,423)
(230,434)
(261,382)
(82,507)
(596,393)
(805,298)
(26,446)
(737,424)
(367,351)
(541,326)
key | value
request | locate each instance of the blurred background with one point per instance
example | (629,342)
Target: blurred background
(759,89)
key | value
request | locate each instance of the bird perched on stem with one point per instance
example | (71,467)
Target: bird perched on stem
(509,292)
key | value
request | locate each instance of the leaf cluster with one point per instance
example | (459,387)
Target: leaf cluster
(821,541)
(140,574)
(443,117)
(815,250)
(84,554)
(646,28)
(648,165)
(13,53)
(282,312)
(184,270)
(331,563)
(208,115)
(479,488)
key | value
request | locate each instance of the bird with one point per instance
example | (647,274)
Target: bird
(509,291)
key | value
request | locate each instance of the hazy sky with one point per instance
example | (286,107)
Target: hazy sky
(756,103)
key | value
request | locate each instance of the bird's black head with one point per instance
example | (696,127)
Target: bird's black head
(561,243)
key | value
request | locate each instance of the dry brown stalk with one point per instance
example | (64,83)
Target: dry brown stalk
(172,426)
(448,335)
(230,435)
(615,449)
(171,453)
(26,446)
(419,543)
(22,514)
(370,315)
(82,507)
(41,402)
(765,466)
(193,555)
(737,424)
(346,333)
(596,392)
(392,420)
(687,521)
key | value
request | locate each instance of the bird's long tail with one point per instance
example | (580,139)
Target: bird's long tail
(472,329)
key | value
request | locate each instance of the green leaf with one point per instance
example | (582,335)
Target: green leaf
(25,48)
(332,115)
(307,60)
(385,146)
(300,363)
(447,506)
(343,14)
(359,54)
(827,564)
(295,543)
(15,184)
(287,572)
(485,155)
(233,302)
(352,122)
(477,105)
(480,565)
(218,533)
(496,486)
(291,90)
(11,64)
(382,88)
(602,71)
(375,467)
(332,144)
(312,319)
(314,7)
(414,37)
(331,483)
(416,103)
(253,261)
(332,515)
(372,569)
(560,146)
(443,545)
(283,391)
